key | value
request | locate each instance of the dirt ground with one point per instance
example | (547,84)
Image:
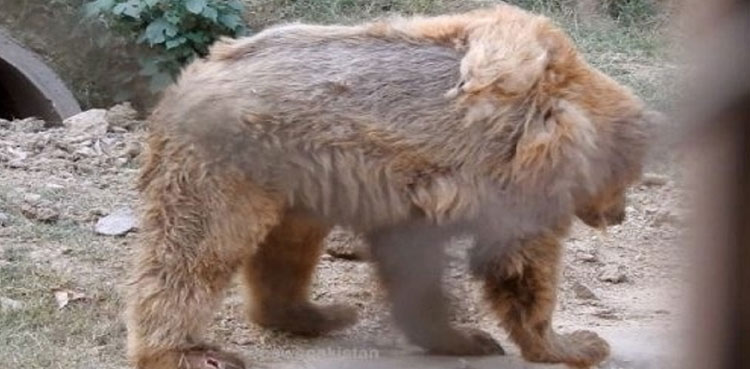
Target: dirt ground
(60,281)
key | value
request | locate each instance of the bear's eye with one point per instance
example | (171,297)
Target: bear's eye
(548,115)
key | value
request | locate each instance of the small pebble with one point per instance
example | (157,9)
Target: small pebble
(654,180)
(7,304)
(614,274)
(587,257)
(584,293)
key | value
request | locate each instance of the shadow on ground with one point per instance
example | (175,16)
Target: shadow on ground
(636,349)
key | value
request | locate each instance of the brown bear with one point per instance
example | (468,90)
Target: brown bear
(407,131)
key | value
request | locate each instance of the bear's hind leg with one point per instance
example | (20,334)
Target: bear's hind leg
(196,228)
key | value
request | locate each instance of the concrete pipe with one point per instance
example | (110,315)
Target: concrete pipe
(28,87)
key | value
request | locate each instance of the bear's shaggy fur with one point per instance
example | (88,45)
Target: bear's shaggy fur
(408,130)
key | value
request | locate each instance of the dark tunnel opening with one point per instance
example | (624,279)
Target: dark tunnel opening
(29,87)
(7,110)
(19,98)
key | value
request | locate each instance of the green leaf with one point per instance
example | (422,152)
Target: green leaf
(156,31)
(93,8)
(172,16)
(118,9)
(231,21)
(210,13)
(171,44)
(131,8)
(197,37)
(171,31)
(195,6)
(236,5)
(177,30)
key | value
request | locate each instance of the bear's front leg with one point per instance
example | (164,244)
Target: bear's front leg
(521,286)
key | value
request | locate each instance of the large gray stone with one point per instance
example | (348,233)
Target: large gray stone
(118,223)
(122,116)
(88,124)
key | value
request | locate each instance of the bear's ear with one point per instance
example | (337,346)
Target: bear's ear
(509,72)
(558,134)
(507,57)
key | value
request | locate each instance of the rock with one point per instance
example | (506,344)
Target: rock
(665,217)
(121,162)
(32,198)
(64,297)
(18,154)
(613,274)
(28,125)
(4,124)
(132,150)
(88,124)
(654,180)
(4,219)
(59,154)
(95,214)
(586,257)
(85,152)
(34,207)
(608,314)
(122,116)
(41,212)
(7,304)
(118,223)
(343,244)
(15,157)
(582,292)
(244,341)
(18,164)
(39,142)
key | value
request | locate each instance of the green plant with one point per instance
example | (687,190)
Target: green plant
(547,6)
(175,30)
(632,12)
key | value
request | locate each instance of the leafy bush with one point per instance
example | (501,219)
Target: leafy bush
(176,30)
